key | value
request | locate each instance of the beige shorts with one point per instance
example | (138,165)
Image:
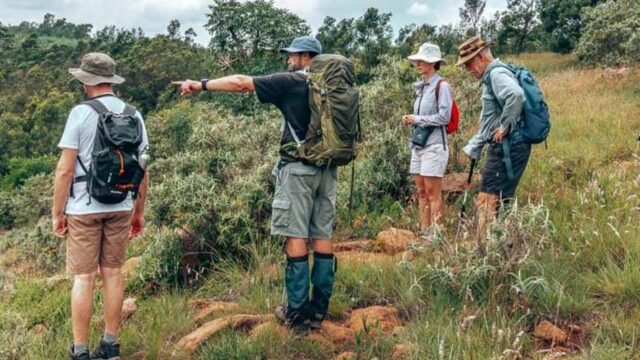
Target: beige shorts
(430,161)
(97,239)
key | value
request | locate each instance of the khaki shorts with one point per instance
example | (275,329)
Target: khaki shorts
(97,239)
(304,204)
(430,161)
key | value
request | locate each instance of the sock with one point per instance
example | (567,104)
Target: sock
(78,348)
(110,338)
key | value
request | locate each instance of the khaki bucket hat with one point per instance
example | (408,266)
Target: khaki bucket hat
(470,48)
(96,68)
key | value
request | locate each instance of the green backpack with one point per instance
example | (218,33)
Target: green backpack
(334,127)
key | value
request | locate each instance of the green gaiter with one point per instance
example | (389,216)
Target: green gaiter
(323,276)
(296,278)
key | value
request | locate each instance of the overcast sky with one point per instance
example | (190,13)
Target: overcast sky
(153,16)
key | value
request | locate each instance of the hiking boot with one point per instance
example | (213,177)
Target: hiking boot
(292,319)
(315,324)
(83,355)
(106,351)
(425,234)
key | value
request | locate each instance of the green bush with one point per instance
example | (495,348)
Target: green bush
(33,200)
(14,335)
(610,34)
(21,169)
(161,261)
(6,210)
(39,247)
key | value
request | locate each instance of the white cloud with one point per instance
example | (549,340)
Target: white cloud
(418,9)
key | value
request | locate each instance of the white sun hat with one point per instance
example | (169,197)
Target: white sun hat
(427,52)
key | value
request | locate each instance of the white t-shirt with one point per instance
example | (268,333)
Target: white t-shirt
(79,134)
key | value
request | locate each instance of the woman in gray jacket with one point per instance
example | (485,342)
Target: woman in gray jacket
(431,114)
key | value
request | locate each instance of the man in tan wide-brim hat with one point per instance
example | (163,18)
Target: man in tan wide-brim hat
(502,105)
(97,234)
(96,68)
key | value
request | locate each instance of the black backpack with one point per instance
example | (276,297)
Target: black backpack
(115,169)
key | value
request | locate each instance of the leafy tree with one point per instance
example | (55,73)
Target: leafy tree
(365,39)
(173,30)
(611,33)
(471,15)
(562,22)
(337,36)
(249,29)
(518,25)
(412,36)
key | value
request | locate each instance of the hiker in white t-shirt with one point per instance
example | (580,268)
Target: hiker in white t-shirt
(98,232)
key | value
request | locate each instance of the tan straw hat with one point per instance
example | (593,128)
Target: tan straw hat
(97,68)
(470,48)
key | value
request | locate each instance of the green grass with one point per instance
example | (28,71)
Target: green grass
(576,227)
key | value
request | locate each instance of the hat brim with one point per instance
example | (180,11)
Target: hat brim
(291,49)
(430,60)
(463,60)
(92,79)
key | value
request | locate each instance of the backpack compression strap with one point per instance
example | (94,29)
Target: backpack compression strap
(444,142)
(506,148)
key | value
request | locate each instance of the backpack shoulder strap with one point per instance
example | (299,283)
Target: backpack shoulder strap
(97,106)
(129,110)
(438,92)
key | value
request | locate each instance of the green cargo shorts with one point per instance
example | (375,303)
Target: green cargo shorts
(304,204)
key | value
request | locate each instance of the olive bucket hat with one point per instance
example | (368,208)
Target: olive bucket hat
(96,68)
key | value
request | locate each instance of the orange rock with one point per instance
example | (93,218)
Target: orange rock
(454,182)
(130,267)
(338,334)
(129,307)
(408,255)
(346,356)
(194,340)
(362,245)
(212,307)
(39,329)
(56,280)
(403,351)
(361,257)
(384,318)
(547,331)
(395,240)
(268,327)
(319,339)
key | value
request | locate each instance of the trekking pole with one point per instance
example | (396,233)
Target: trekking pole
(353,176)
(466,190)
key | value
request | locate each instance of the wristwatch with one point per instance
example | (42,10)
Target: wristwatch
(203,83)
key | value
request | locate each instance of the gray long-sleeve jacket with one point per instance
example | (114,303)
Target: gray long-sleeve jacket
(510,98)
(428,113)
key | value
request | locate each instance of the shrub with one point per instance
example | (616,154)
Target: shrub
(6,211)
(33,200)
(610,36)
(21,169)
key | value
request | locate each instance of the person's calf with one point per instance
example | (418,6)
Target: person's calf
(82,306)
(486,205)
(113,288)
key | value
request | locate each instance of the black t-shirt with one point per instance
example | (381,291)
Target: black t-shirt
(289,92)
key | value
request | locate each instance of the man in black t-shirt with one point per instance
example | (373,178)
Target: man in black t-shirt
(304,201)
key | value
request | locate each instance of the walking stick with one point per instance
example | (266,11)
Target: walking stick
(466,190)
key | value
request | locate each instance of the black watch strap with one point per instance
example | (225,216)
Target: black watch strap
(203,83)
